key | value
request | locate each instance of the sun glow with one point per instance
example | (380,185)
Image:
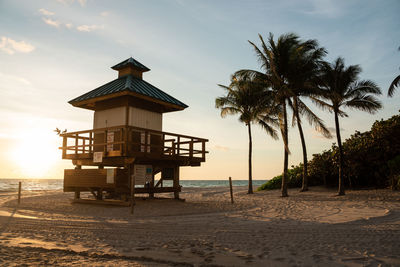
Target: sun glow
(35,153)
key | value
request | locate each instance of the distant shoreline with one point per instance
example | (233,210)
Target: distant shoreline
(57,184)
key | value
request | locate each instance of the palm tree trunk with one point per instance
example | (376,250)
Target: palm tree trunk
(341,185)
(250,191)
(286,157)
(304,186)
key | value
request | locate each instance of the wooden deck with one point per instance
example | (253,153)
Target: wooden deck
(119,144)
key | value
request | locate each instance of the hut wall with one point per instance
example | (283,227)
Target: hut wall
(109,117)
(145,119)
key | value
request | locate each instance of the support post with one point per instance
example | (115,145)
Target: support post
(76,144)
(191,148)
(105,143)
(151,194)
(77,193)
(90,142)
(64,150)
(100,194)
(230,187)
(132,183)
(163,144)
(176,182)
(125,139)
(203,149)
(178,152)
(19,192)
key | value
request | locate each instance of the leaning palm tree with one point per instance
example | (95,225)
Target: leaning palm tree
(340,87)
(275,60)
(394,84)
(304,70)
(251,100)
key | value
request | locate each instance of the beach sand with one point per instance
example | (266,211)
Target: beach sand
(313,228)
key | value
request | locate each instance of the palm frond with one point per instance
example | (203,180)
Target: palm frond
(393,85)
(362,87)
(268,128)
(314,120)
(262,59)
(366,103)
(229,111)
(246,74)
(321,104)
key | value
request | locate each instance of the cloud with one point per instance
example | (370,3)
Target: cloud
(104,13)
(69,25)
(11,46)
(46,12)
(54,23)
(68,2)
(327,8)
(65,2)
(222,148)
(88,28)
(82,2)
(12,79)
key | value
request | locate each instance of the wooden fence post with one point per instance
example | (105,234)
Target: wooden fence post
(131,171)
(19,192)
(230,186)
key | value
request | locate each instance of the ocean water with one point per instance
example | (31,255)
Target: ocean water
(56,184)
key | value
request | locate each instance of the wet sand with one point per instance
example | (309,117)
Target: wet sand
(307,229)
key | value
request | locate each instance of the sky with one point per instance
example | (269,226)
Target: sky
(52,51)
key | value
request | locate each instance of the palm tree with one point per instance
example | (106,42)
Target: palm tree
(305,68)
(394,84)
(340,86)
(248,98)
(279,61)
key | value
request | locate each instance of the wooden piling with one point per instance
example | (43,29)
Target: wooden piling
(132,178)
(19,192)
(230,186)
(176,182)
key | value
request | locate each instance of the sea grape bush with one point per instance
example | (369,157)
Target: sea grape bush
(371,159)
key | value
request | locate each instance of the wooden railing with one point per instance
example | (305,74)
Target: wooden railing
(131,141)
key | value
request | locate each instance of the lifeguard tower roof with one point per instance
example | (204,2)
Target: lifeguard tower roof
(129,83)
(130,62)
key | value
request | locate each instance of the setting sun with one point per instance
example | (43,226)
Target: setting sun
(35,153)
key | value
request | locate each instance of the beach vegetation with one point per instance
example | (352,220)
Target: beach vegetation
(275,58)
(294,179)
(291,71)
(394,168)
(339,88)
(302,82)
(290,67)
(249,98)
(372,159)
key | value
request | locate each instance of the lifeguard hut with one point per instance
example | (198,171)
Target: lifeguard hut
(127,145)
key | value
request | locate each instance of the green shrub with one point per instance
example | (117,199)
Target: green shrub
(394,168)
(371,159)
(294,179)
